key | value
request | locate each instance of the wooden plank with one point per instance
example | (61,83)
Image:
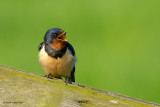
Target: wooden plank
(19,88)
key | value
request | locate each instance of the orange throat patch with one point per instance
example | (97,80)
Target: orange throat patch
(58,44)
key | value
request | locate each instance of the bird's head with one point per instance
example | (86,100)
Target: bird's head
(55,38)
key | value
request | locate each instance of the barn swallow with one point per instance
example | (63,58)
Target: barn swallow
(57,56)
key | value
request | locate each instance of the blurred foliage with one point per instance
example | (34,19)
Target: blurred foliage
(116,42)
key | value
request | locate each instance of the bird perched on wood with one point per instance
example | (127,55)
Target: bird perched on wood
(57,56)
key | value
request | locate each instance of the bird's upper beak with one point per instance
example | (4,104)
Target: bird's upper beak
(62,37)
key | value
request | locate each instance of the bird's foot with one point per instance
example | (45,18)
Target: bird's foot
(68,81)
(49,76)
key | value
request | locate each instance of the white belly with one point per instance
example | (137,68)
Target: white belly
(60,67)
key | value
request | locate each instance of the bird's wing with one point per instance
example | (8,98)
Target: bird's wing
(40,46)
(72,75)
(70,47)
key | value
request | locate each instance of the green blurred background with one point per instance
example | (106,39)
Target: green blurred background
(117,42)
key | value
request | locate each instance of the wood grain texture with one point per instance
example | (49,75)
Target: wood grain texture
(19,88)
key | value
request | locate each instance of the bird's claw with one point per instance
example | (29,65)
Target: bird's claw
(49,76)
(68,81)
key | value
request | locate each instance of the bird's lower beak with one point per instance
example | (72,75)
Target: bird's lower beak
(62,37)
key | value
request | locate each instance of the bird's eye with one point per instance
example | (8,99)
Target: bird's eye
(54,35)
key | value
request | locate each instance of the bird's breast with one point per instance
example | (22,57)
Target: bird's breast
(60,67)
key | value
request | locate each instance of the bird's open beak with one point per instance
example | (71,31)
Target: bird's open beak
(62,37)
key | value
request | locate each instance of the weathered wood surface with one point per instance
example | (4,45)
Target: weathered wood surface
(22,89)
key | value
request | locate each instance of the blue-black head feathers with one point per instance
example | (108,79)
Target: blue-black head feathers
(51,34)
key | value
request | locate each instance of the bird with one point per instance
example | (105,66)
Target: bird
(57,55)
